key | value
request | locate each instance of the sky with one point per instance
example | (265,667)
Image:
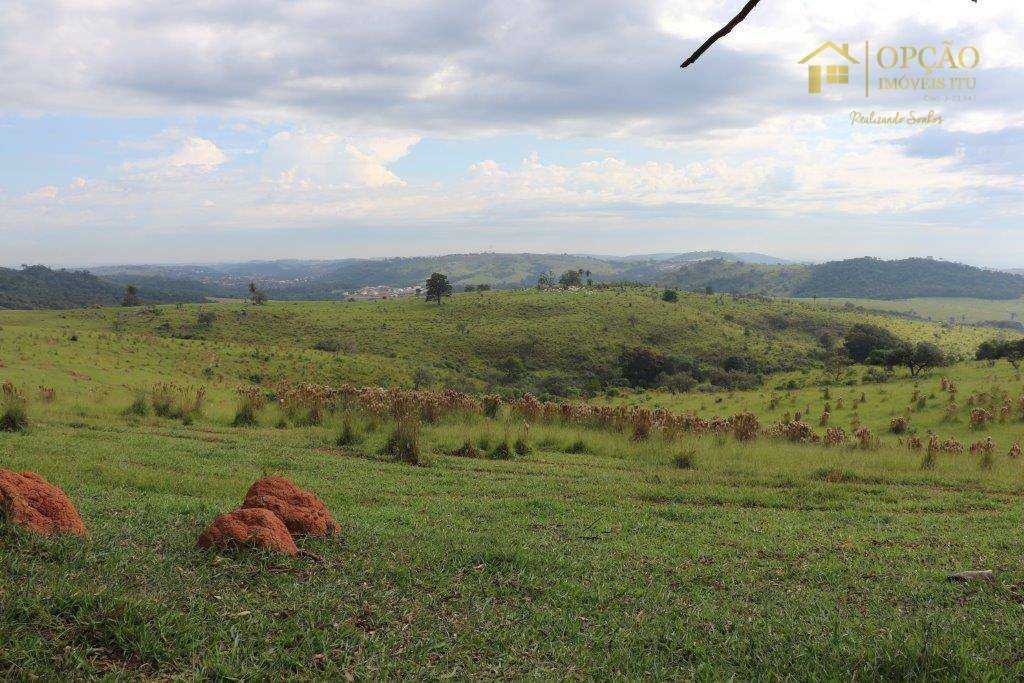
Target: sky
(222,130)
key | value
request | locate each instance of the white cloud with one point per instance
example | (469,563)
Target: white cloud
(189,153)
(197,152)
(323,160)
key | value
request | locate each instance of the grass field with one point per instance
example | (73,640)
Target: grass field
(593,556)
(942,309)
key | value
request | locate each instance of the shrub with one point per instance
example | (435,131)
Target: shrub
(684,460)
(677,382)
(491,404)
(14,417)
(501,452)
(329,345)
(467,450)
(578,447)
(139,405)
(521,447)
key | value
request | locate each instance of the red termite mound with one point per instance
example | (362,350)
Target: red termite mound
(36,505)
(248,528)
(301,511)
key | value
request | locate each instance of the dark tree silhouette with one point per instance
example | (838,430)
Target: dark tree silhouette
(257,296)
(438,287)
(131,296)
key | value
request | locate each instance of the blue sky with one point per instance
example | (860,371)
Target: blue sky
(229,130)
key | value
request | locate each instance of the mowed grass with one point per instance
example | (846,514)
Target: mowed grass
(591,557)
(764,561)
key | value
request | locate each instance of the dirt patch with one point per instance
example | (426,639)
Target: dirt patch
(36,505)
(248,528)
(303,512)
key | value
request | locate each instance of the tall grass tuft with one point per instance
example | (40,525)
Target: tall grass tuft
(404,444)
(14,407)
(250,402)
(349,436)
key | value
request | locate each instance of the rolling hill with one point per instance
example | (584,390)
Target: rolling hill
(554,342)
(871,278)
(40,287)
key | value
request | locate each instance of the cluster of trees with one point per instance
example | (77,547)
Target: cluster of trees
(570,278)
(996,349)
(875,345)
(642,366)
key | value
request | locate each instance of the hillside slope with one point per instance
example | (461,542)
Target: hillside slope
(554,342)
(41,287)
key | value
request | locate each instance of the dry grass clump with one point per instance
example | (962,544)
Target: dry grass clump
(177,402)
(745,426)
(899,425)
(979,418)
(793,430)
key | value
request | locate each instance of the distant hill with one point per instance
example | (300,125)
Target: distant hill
(42,287)
(735,277)
(871,278)
(740,256)
(731,272)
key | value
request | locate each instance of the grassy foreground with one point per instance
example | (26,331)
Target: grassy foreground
(763,561)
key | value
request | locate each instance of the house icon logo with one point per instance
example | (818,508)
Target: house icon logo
(835,74)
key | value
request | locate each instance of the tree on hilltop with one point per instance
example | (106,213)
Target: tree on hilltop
(437,287)
(257,296)
(131,296)
(571,278)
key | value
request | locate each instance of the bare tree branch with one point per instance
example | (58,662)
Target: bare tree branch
(725,31)
(721,32)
